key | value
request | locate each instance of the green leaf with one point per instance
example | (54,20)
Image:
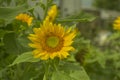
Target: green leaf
(114,36)
(9,13)
(1,72)
(14,44)
(23,42)
(79,74)
(101,58)
(10,43)
(60,76)
(2,33)
(25,57)
(74,71)
(2,23)
(81,17)
(73,75)
(67,66)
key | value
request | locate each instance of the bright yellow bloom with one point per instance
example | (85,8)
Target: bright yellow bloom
(116,24)
(51,40)
(52,13)
(25,18)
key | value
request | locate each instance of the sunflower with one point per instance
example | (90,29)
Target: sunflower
(116,24)
(52,13)
(25,18)
(51,41)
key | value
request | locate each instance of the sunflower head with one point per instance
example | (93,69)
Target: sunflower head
(25,18)
(52,13)
(52,40)
(116,24)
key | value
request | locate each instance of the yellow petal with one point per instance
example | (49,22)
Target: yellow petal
(67,43)
(70,36)
(69,48)
(38,54)
(53,55)
(65,54)
(45,56)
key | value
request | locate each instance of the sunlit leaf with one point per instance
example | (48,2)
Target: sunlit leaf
(25,57)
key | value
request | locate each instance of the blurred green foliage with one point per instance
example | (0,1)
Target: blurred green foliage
(107,4)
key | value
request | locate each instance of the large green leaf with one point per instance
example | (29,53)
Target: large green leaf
(9,13)
(71,71)
(25,57)
(14,44)
(73,75)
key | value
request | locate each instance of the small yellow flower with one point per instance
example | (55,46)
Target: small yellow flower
(52,13)
(116,24)
(25,18)
(52,40)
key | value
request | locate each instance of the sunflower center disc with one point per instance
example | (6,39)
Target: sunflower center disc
(52,41)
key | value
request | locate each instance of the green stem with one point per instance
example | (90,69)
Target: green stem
(46,9)
(47,65)
(44,78)
(55,64)
(49,2)
(55,67)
